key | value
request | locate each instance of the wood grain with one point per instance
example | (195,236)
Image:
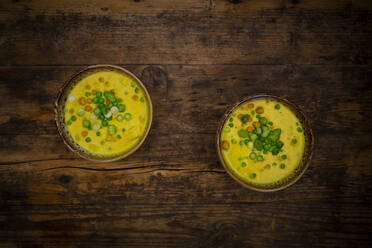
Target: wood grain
(196,58)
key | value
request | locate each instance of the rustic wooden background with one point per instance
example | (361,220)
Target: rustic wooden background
(197,58)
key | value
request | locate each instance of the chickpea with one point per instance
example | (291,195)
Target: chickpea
(250,129)
(84,133)
(267,167)
(82,101)
(225,145)
(259,110)
(71,111)
(89,101)
(94,92)
(101,79)
(112,91)
(88,108)
(135,97)
(87,87)
(251,105)
(256,124)
(250,119)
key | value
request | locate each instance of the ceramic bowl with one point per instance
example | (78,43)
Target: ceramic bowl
(298,172)
(59,115)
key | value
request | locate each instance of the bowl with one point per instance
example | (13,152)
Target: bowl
(59,114)
(301,168)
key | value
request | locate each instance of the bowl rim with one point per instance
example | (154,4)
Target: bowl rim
(310,145)
(62,134)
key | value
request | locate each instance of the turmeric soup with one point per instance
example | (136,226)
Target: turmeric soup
(262,141)
(107,113)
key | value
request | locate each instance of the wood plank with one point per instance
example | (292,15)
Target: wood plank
(277,35)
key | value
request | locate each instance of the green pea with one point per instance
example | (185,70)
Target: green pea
(104,123)
(226,129)
(243,133)
(241,142)
(253,112)
(123,129)
(252,155)
(299,130)
(106,93)
(102,142)
(233,141)
(88,139)
(86,123)
(97,111)
(245,118)
(136,90)
(284,156)
(142,99)
(101,106)
(252,175)
(101,100)
(96,100)
(258,144)
(294,141)
(244,164)
(121,107)
(274,164)
(115,104)
(246,141)
(231,119)
(270,123)
(98,133)
(118,136)
(277,106)
(111,98)
(73,118)
(99,94)
(282,166)
(297,124)
(87,94)
(253,136)
(119,118)
(111,129)
(259,158)
(266,147)
(101,117)
(127,116)
(69,122)
(231,124)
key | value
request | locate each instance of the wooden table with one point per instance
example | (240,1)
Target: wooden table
(197,58)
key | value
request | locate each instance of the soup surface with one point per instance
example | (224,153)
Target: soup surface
(262,141)
(107,113)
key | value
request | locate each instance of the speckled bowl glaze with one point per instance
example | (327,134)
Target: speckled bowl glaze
(298,172)
(59,115)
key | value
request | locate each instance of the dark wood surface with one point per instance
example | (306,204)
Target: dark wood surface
(197,58)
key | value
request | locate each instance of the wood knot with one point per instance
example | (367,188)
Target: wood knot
(65,179)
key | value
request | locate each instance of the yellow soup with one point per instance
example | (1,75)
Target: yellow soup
(262,141)
(107,113)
